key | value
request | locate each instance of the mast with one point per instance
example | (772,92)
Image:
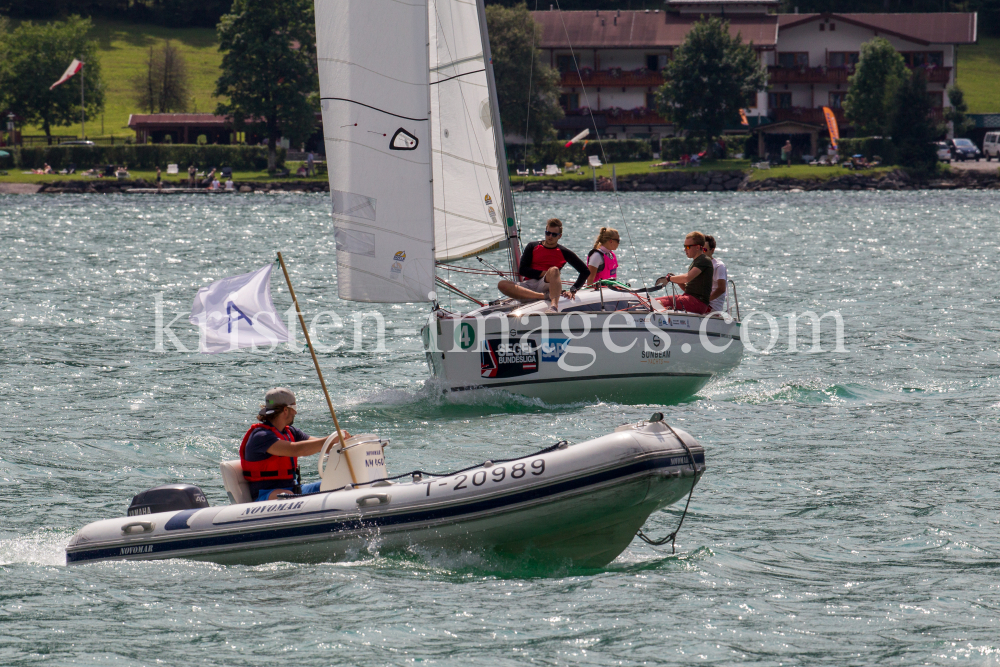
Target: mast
(507,200)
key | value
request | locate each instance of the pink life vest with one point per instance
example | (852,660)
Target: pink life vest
(610,269)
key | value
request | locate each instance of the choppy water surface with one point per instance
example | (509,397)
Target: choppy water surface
(848,515)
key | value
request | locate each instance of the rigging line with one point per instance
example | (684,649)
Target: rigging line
(477,71)
(527,117)
(590,110)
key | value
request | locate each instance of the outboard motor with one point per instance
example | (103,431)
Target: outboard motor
(167,498)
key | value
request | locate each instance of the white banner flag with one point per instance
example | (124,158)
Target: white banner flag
(73,68)
(238,312)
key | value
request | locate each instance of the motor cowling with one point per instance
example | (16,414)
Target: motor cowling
(167,498)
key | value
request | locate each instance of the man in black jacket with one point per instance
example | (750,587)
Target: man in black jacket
(540,269)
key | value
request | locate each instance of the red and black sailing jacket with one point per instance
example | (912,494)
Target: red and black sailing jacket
(273,467)
(537,259)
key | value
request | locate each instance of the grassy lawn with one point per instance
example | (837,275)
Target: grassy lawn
(812,172)
(15,176)
(979,75)
(124,48)
(641,167)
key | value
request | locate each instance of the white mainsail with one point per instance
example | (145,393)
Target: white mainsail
(468,201)
(373,64)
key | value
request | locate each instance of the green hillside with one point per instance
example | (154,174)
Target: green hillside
(979,75)
(124,48)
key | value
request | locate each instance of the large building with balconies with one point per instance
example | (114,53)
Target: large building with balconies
(611,62)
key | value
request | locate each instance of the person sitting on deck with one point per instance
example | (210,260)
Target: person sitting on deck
(270,449)
(540,269)
(720,278)
(602,261)
(697,282)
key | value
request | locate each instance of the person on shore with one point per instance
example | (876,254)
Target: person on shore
(230,186)
(720,278)
(602,261)
(192,173)
(270,449)
(310,164)
(540,268)
(215,185)
(697,282)
(159,179)
(786,152)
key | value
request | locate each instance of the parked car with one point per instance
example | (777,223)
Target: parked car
(943,152)
(963,149)
(77,142)
(991,145)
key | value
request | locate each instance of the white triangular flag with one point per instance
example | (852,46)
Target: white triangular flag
(238,312)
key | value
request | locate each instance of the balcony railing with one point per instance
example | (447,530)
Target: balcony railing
(839,75)
(816,117)
(580,118)
(612,77)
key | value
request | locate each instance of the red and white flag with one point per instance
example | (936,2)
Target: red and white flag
(577,138)
(73,68)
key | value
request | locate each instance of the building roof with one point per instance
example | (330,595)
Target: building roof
(640,29)
(175,119)
(942,28)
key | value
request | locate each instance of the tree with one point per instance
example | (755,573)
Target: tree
(955,114)
(712,76)
(163,87)
(37,56)
(269,69)
(515,64)
(880,71)
(911,124)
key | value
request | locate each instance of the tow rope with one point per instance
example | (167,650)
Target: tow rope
(672,537)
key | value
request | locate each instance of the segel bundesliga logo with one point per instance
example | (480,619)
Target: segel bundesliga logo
(506,359)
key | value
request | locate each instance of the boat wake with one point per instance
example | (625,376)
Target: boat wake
(43,547)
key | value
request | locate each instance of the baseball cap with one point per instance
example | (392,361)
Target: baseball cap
(276,399)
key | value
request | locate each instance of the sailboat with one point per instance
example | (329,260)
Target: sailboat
(418,178)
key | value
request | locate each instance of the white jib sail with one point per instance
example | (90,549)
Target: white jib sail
(468,216)
(373,63)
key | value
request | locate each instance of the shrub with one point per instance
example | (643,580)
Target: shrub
(241,158)
(869,147)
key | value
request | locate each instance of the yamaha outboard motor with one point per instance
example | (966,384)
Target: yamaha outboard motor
(167,498)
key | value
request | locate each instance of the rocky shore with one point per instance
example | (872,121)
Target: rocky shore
(102,186)
(667,181)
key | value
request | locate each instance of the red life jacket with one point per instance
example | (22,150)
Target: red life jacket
(273,467)
(543,259)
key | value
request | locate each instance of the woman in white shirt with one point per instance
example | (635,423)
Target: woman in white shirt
(720,279)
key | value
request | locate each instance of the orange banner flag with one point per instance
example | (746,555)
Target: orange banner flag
(831,125)
(743,117)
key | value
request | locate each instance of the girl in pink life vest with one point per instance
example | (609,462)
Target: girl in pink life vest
(602,261)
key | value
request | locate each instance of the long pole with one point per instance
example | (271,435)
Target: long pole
(83,107)
(326,393)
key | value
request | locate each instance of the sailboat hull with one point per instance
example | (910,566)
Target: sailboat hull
(628,356)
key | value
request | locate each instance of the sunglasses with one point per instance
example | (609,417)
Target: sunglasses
(548,233)
(693,245)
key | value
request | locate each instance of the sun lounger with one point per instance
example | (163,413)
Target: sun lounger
(594,161)
(172,169)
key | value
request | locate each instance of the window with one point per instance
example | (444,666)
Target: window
(779,100)
(793,60)
(569,101)
(565,64)
(753,101)
(837,99)
(656,62)
(843,58)
(923,58)
(651,101)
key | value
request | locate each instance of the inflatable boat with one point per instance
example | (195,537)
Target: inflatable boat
(581,504)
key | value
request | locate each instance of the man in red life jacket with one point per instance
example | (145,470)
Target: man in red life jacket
(270,449)
(540,269)
(697,282)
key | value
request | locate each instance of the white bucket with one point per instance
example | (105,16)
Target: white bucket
(367,460)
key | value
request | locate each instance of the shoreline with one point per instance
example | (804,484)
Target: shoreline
(669,181)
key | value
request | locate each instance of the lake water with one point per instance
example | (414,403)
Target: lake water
(848,516)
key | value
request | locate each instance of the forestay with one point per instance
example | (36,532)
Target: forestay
(468,214)
(373,64)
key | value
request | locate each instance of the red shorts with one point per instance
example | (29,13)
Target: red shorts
(686,302)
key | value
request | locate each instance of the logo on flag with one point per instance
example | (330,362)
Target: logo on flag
(73,68)
(238,312)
